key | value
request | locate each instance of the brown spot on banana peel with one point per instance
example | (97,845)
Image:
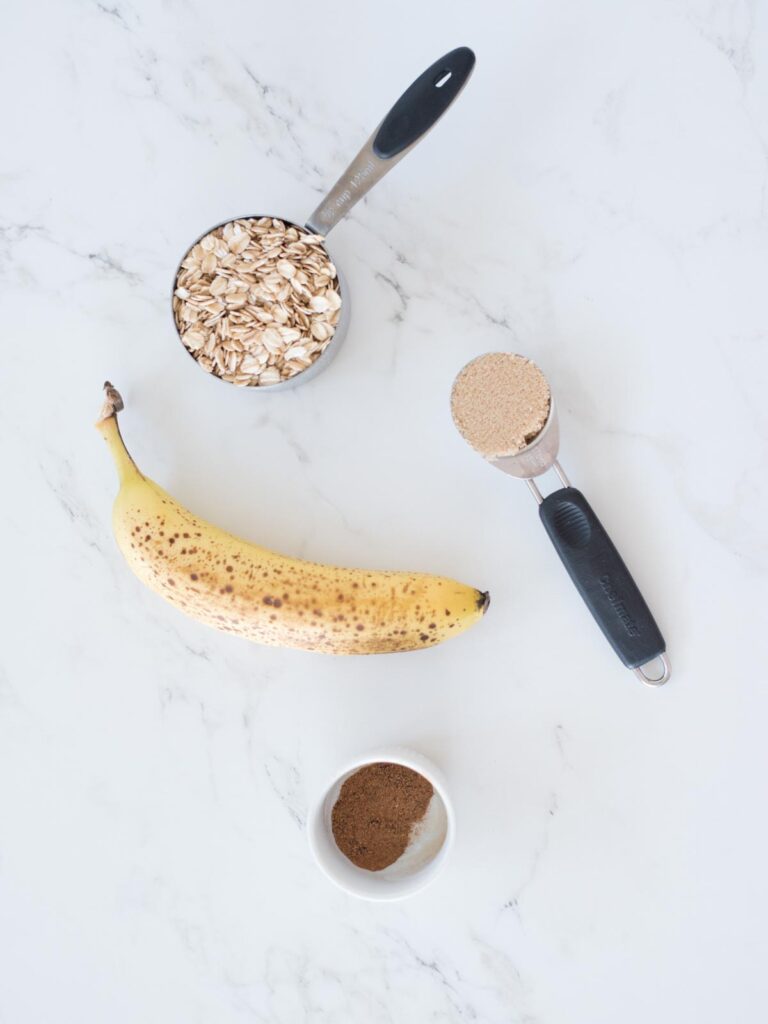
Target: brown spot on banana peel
(393,606)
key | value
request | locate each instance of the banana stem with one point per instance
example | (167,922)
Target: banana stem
(113,402)
(109,429)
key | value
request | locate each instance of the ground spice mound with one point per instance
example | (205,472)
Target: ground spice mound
(500,403)
(376,811)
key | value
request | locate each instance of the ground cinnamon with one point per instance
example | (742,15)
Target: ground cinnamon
(376,811)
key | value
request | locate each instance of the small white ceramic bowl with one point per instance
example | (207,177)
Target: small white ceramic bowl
(421,862)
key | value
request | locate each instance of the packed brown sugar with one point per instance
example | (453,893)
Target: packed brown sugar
(500,402)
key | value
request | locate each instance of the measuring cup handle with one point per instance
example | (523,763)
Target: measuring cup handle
(419,108)
(603,580)
(423,103)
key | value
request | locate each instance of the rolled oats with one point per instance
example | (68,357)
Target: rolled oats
(257,301)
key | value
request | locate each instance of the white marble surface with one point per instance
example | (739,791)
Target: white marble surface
(596,200)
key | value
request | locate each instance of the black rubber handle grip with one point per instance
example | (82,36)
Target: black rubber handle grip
(601,577)
(423,103)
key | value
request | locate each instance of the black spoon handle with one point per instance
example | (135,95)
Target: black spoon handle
(603,580)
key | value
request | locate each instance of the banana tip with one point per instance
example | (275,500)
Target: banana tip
(483,600)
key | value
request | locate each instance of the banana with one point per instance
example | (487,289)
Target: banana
(247,590)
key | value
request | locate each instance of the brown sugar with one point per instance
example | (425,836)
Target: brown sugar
(376,811)
(500,403)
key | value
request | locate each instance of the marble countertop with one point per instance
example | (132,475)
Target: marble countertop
(597,201)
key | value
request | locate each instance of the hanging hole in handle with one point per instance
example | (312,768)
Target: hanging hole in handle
(657,680)
(442,78)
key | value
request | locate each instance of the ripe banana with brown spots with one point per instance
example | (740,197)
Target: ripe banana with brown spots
(245,589)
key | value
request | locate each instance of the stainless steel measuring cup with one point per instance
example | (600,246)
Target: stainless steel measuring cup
(590,557)
(417,111)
